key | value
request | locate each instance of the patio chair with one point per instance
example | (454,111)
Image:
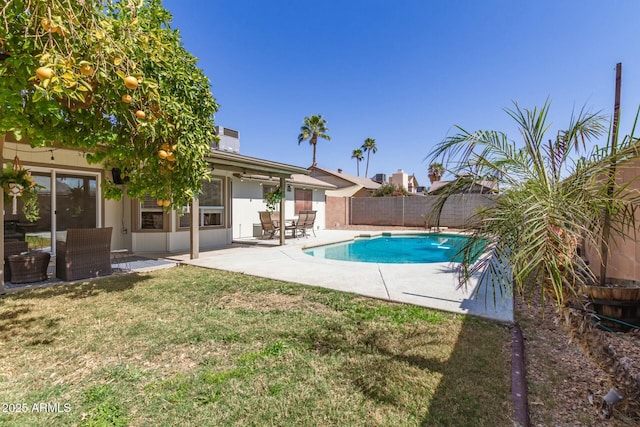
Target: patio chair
(302,218)
(12,247)
(86,253)
(269,225)
(306,221)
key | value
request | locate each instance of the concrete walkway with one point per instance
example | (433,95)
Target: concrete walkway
(428,285)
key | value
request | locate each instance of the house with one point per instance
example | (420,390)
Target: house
(402,179)
(71,197)
(346,185)
(302,192)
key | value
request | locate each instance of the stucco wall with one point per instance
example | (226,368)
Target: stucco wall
(624,254)
(248,201)
(337,212)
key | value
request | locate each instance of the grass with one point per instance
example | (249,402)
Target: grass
(192,347)
(37,242)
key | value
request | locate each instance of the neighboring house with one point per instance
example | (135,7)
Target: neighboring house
(478,187)
(402,179)
(346,185)
(71,197)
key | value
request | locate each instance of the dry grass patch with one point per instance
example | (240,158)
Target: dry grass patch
(187,346)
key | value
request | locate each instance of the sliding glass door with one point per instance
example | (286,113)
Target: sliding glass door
(66,200)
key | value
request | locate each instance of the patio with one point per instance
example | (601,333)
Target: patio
(120,264)
(427,285)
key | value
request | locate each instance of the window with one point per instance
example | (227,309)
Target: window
(150,215)
(303,200)
(211,211)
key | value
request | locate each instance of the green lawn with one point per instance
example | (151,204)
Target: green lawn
(194,347)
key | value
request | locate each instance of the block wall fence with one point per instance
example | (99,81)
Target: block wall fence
(458,211)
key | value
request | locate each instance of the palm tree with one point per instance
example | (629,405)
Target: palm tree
(357,154)
(369,147)
(549,204)
(436,170)
(313,127)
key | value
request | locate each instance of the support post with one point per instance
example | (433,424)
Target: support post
(283,185)
(194,228)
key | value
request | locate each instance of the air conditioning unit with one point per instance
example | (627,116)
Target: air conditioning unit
(380,178)
(229,140)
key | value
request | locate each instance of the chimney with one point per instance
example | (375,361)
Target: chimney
(339,170)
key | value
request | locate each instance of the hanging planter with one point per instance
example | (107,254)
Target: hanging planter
(273,199)
(18,182)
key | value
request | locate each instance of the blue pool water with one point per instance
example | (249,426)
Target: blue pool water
(403,249)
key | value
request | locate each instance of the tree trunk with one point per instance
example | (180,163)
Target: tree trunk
(314,141)
(366,172)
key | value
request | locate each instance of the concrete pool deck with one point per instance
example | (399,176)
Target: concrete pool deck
(428,285)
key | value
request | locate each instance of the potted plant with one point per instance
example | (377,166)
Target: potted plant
(18,182)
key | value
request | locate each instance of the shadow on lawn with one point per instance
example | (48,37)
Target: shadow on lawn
(475,384)
(85,289)
(473,388)
(16,309)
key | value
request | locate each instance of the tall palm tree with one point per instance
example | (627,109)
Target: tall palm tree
(369,147)
(436,170)
(313,127)
(549,202)
(357,154)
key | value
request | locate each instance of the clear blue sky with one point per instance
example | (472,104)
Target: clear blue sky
(404,72)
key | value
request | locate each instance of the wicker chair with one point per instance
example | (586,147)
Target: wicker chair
(86,253)
(31,267)
(12,247)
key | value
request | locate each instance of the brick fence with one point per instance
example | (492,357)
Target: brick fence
(403,211)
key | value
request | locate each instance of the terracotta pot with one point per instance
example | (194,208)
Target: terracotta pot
(621,303)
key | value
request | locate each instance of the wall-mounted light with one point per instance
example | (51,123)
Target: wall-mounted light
(289,187)
(52,158)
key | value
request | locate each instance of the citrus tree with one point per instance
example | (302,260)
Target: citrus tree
(113,79)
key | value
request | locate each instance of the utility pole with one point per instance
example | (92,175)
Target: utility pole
(606,226)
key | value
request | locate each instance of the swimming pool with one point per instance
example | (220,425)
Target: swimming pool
(395,249)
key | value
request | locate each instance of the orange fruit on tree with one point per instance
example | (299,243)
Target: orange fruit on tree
(166,203)
(141,114)
(159,202)
(162,154)
(126,98)
(131,82)
(44,73)
(171,157)
(86,69)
